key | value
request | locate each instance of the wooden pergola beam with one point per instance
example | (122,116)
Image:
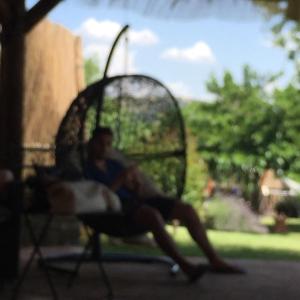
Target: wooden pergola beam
(38,12)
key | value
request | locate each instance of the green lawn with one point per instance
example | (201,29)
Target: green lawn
(236,244)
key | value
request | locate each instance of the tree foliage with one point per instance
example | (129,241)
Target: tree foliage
(197,175)
(92,70)
(287,144)
(287,36)
(287,10)
(245,131)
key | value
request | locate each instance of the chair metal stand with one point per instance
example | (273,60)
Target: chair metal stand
(93,253)
(37,240)
(96,255)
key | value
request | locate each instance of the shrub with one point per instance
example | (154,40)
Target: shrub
(232,214)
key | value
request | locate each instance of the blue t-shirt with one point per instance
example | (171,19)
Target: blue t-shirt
(113,169)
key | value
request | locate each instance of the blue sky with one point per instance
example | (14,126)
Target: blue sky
(181,54)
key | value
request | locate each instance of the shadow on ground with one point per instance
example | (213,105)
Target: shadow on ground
(264,280)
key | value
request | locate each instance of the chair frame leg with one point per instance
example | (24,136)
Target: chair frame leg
(97,253)
(93,244)
(81,259)
(36,251)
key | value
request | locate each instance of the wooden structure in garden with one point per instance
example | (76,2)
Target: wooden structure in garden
(272,190)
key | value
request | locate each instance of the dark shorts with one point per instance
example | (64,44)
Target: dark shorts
(164,205)
(124,224)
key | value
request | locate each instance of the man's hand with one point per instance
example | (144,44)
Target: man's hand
(130,171)
(128,178)
(132,178)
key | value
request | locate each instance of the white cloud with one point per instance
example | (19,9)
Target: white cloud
(121,62)
(143,37)
(95,30)
(199,52)
(183,92)
(107,31)
(98,36)
(267,42)
(180,90)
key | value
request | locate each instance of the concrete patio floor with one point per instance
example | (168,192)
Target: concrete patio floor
(264,280)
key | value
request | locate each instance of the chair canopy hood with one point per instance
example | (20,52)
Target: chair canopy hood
(147,124)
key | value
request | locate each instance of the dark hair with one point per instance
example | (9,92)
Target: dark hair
(101,131)
(98,131)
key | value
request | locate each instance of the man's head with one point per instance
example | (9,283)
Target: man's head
(100,143)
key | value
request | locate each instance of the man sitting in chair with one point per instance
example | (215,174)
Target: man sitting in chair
(150,214)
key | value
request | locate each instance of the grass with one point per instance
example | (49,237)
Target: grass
(271,246)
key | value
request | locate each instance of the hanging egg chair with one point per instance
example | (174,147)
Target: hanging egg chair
(145,118)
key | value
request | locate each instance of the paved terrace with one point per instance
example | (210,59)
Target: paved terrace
(265,280)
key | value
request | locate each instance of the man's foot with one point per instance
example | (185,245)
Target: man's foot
(222,267)
(197,272)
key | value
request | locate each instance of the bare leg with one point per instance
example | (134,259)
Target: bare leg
(152,220)
(188,216)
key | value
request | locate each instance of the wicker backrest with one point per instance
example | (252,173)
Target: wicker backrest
(146,121)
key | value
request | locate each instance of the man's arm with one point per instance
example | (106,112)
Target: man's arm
(124,178)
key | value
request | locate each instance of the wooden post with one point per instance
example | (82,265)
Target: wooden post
(15,23)
(11,88)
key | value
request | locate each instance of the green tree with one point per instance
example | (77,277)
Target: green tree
(287,36)
(287,143)
(92,70)
(238,133)
(197,175)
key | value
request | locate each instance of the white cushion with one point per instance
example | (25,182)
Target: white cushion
(84,196)
(91,196)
